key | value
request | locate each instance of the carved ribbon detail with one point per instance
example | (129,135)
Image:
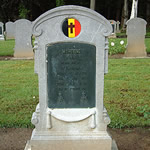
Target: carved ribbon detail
(59,116)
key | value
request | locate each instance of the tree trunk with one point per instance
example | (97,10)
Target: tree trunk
(148,12)
(124,15)
(92,4)
(119,4)
(134,9)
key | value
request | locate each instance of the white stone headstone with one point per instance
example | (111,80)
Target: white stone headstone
(10,30)
(1,31)
(71,58)
(136,31)
(23,39)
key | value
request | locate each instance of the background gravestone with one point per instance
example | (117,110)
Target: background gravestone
(1,31)
(136,31)
(23,39)
(114,26)
(10,30)
(71,58)
(117,27)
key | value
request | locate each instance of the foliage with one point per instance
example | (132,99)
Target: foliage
(126,93)
(117,48)
(59,3)
(121,48)
(23,12)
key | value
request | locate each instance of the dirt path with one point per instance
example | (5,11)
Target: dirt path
(127,139)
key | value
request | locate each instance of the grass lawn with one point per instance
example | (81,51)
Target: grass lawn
(126,96)
(18,86)
(6,47)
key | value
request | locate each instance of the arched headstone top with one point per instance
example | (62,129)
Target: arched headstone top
(136,20)
(9,22)
(22,20)
(71,10)
(137,25)
(1,24)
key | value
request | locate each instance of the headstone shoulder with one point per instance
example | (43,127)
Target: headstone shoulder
(137,20)
(71,10)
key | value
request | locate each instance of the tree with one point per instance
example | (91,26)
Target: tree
(124,17)
(134,9)
(59,3)
(92,4)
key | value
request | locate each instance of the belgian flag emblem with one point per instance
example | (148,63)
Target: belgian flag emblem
(71,27)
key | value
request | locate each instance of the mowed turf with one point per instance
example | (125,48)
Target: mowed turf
(7,47)
(126,93)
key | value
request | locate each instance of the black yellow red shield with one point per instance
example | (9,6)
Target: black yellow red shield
(71,27)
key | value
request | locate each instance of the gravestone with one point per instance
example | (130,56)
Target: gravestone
(71,58)
(10,30)
(136,30)
(1,31)
(23,39)
(114,26)
(117,27)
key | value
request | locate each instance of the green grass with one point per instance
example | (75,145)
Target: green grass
(7,47)
(126,96)
(127,92)
(18,86)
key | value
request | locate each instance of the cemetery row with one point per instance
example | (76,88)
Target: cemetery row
(20,30)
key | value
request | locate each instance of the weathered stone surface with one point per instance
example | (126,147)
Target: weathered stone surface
(10,30)
(136,30)
(1,31)
(23,33)
(71,127)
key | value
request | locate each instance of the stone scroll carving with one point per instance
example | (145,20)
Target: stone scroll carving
(61,115)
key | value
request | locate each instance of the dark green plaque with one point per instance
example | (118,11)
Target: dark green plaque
(71,71)
(0,30)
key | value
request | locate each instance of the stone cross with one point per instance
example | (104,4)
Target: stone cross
(136,30)
(118,29)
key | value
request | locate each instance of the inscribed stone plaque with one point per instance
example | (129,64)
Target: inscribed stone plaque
(71,75)
(0,30)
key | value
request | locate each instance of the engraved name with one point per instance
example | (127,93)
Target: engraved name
(71,51)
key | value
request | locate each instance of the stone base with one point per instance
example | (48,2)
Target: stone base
(2,38)
(113,35)
(24,54)
(73,143)
(57,145)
